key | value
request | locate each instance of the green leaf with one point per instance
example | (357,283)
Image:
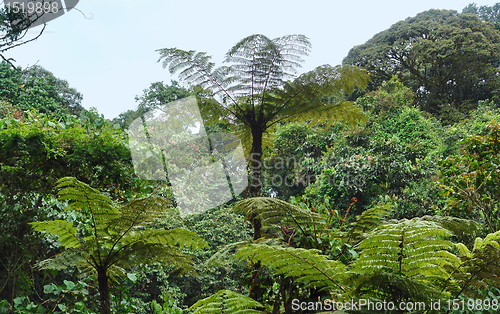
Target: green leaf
(132,277)
(70,285)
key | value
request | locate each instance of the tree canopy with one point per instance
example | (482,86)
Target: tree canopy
(450,60)
(37,88)
(485,12)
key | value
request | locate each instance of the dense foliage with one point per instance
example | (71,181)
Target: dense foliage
(449,60)
(389,195)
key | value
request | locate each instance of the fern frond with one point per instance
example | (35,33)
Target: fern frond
(225,301)
(412,247)
(64,230)
(170,257)
(65,260)
(82,196)
(306,98)
(368,220)
(196,68)
(456,225)
(275,213)
(140,212)
(220,257)
(305,266)
(394,286)
(172,238)
(344,111)
(244,133)
(261,63)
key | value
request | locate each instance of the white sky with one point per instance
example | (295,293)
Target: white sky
(109,55)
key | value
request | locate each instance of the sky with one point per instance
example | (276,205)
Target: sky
(107,48)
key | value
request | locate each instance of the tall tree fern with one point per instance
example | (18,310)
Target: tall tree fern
(117,238)
(260,88)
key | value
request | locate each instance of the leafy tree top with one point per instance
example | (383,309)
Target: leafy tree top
(448,59)
(485,13)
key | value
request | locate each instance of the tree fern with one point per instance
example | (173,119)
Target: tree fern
(274,213)
(412,247)
(226,301)
(305,266)
(415,251)
(118,238)
(260,88)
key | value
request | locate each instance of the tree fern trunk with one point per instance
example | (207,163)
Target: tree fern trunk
(255,186)
(254,190)
(102,280)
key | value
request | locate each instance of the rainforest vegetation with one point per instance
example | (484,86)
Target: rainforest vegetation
(376,180)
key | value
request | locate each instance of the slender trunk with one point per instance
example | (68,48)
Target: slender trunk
(102,279)
(255,190)
(287,300)
(255,186)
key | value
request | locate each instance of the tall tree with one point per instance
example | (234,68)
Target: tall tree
(450,60)
(38,78)
(37,88)
(255,91)
(155,95)
(260,88)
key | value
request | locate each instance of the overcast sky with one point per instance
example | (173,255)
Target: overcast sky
(107,51)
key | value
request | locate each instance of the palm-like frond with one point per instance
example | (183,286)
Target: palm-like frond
(262,64)
(84,197)
(368,220)
(457,226)
(415,248)
(226,301)
(139,213)
(65,260)
(62,229)
(172,238)
(313,96)
(480,267)
(305,266)
(386,284)
(196,68)
(404,260)
(276,213)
